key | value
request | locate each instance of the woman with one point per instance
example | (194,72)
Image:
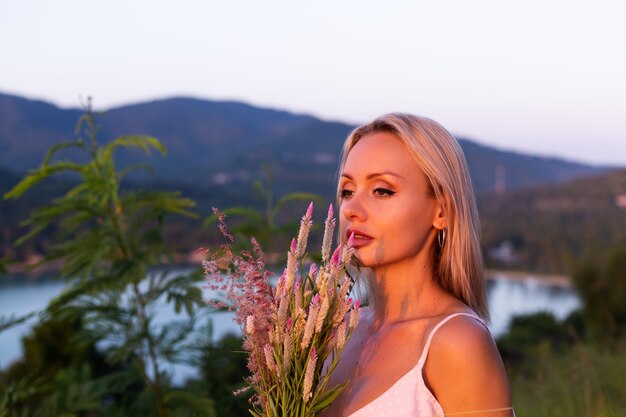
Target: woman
(421,347)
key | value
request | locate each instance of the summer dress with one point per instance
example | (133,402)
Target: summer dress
(409,396)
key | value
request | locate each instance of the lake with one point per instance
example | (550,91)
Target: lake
(509,295)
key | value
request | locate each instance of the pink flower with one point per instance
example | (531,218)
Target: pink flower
(250,325)
(341,336)
(287,352)
(308,376)
(329,228)
(354,318)
(269,357)
(335,258)
(351,239)
(321,315)
(309,327)
(284,328)
(293,245)
(303,233)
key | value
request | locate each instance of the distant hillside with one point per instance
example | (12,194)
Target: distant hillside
(516,170)
(547,228)
(543,228)
(13,212)
(7,179)
(217,145)
(28,128)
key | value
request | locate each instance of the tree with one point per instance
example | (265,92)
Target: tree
(601,285)
(109,241)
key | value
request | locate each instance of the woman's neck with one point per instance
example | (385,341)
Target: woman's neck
(404,291)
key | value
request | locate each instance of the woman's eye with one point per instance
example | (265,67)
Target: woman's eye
(383,192)
(346,193)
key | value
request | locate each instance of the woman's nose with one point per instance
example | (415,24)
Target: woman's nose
(353,208)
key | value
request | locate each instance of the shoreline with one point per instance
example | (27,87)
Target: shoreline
(49,273)
(553,279)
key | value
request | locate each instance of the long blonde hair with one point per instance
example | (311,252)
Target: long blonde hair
(458,264)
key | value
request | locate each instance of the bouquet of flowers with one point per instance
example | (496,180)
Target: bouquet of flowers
(294,331)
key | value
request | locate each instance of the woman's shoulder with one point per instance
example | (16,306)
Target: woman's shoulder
(460,336)
(463,368)
(460,327)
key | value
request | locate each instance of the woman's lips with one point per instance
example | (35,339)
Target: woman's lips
(360,238)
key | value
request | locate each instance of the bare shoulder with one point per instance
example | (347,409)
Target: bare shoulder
(461,338)
(464,369)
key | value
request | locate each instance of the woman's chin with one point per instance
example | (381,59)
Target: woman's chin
(364,261)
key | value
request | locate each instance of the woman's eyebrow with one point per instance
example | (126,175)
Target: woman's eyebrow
(374,175)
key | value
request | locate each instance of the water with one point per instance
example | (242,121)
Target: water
(508,297)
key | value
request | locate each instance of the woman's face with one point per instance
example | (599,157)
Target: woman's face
(385,201)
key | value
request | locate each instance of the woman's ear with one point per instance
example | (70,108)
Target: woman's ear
(440,221)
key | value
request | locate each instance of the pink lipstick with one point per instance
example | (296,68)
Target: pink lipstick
(360,238)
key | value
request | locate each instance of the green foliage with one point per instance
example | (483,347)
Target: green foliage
(12,395)
(553,226)
(222,366)
(601,285)
(555,370)
(587,380)
(54,345)
(262,224)
(532,336)
(109,242)
(8,322)
(55,374)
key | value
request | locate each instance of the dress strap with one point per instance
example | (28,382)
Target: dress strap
(489,410)
(441,323)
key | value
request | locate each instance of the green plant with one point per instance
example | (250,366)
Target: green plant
(263,225)
(222,367)
(587,380)
(601,285)
(109,241)
(531,336)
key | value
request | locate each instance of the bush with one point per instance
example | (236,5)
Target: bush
(601,286)
(532,336)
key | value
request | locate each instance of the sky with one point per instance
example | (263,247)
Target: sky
(542,77)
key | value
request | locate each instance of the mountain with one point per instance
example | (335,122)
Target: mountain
(13,212)
(28,128)
(7,179)
(215,145)
(547,213)
(513,170)
(549,228)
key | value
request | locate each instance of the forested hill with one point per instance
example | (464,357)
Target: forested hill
(546,210)
(516,170)
(549,228)
(213,144)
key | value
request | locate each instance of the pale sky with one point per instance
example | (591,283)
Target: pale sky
(545,77)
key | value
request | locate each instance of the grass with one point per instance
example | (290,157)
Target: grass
(588,380)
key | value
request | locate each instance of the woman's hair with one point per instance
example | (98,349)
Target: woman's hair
(458,264)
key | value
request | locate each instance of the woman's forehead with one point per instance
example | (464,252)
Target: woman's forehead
(380,152)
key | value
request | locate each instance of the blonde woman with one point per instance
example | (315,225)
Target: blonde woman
(421,347)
